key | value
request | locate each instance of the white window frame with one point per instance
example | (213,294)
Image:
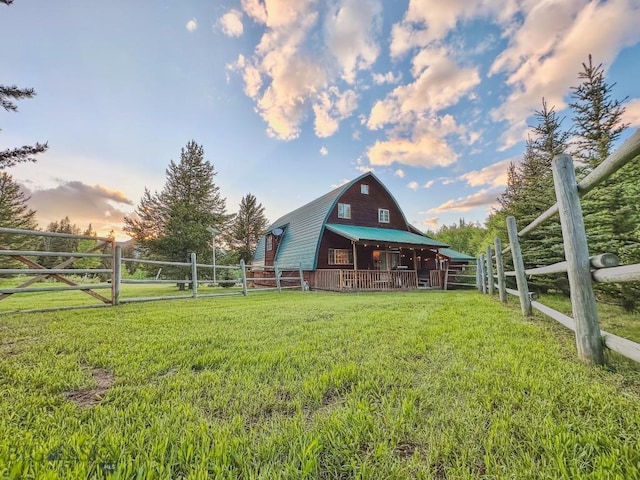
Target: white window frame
(340,256)
(344,210)
(269,242)
(364,189)
(383,215)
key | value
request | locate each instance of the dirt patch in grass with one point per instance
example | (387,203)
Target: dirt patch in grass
(407,449)
(104,380)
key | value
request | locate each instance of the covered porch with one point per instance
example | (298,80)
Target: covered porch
(368,258)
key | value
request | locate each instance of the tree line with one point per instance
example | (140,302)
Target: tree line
(611,211)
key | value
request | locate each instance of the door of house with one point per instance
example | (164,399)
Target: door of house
(385,260)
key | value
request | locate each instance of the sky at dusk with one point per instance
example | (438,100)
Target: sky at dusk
(291,98)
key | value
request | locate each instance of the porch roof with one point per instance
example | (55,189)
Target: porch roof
(383,235)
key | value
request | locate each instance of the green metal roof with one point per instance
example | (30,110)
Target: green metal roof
(456,256)
(303,229)
(383,235)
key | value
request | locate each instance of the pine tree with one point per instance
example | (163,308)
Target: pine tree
(530,192)
(15,213)
(173,223)
(610,211)
(12,156)
(247,228)
(59,244)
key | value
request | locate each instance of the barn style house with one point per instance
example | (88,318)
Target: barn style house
(355,238)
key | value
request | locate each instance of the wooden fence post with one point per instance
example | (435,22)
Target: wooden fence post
(483,273)
(276,272)
(576,252)
(478,285)
(243,269)
(518,264)
(490,271)
(194,275)
(116,276)
(502,288)
(301,277)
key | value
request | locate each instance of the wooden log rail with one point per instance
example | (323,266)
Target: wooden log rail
(581,269)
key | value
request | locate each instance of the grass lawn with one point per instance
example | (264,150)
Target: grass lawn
(309,385)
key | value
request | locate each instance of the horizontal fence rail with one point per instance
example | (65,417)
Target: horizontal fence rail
(581,269)
(190,273)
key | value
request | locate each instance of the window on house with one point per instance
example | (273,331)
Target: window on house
(344,210)
(383,215)
(340,256)
(364,189)
(269,243)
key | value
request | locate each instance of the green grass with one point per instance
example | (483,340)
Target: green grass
(310,385)
(44,300)
(612,318)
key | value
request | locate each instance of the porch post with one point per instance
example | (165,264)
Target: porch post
(355,255)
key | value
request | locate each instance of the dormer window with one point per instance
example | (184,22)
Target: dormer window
(344,210)
(364,189)
(383,215)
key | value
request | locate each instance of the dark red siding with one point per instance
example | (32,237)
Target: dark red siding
(364,208)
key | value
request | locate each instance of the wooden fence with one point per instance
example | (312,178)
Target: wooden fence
(112,253)
(581,269)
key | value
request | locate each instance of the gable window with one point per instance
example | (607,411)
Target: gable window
(383,215)
(340,256)
(269,242)
(364,189)
(344,210)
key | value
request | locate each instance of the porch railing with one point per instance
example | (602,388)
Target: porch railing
(338,280)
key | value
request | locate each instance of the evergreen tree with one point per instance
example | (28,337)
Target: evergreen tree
(15,213)
(84,245)
(610,211)
(173,223)
(247,227)
(59,244)
(530,192)
(26,153)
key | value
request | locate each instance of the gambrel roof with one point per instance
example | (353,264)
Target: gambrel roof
(303,229)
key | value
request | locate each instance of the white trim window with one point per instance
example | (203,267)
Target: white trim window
(344,210)
(269,242)
(383,215)
(340,256)
(364,189)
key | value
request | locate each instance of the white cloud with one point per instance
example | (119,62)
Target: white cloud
(231,23)
(365,168)
(431,222)
(439,84)
(331,108)
(84,204)
(399,173)
(632,113)
(483,198)
(389,77)
(429,184)
(494,175)
(192,25)
(323,151)
(541,65)
(429,22)
(288,81)
(351,27)
(423,150)
(413,185)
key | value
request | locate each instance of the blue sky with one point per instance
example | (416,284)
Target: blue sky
(291,98)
